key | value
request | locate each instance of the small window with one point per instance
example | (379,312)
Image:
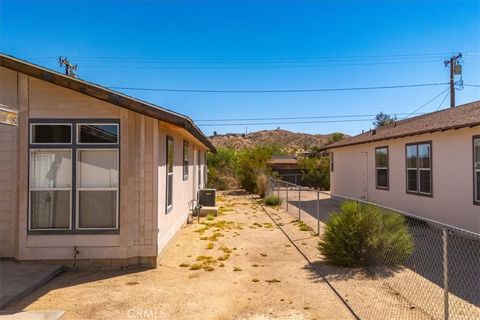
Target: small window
(51,133)
(419,168)
(331,162)
(97,133)
(476,169)
(199,170)
(381,167)
(186,155)
(169,169)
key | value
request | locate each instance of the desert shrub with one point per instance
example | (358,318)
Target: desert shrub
(316,172)
(272,201)
(252,162)
(262,184)
(365,235)
(221,169)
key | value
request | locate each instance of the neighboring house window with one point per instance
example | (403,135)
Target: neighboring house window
(419,168)
(381,167)
(74,181)
(476,169)
(169,182)
(331,162)
(186,155)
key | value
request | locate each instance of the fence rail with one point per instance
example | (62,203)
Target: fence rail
(441,278)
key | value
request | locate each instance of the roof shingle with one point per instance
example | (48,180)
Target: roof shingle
(466,115)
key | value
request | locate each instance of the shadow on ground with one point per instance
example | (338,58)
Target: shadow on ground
(427,257)
(69,279)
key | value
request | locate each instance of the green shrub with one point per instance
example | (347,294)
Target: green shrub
(273,201)
(365,235)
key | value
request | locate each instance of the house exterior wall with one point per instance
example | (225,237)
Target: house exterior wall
(142,219)
(8,166)
(452,183)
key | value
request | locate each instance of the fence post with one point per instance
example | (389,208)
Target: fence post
(279,190)
(299,203)
(445,274)
(288,187)
(318,212)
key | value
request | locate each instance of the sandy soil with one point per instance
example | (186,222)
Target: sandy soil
(387,294)
(254,273)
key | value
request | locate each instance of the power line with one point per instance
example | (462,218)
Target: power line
(440,105)
(256,66)
(321,58)
(428,102)
(282,90)
(297,118)
(282,123)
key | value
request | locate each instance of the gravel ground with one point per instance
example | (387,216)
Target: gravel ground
(248,269)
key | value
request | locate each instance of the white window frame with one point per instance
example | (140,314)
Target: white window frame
(96,124)
(418,169)
(382,168)
(30,189)
(168,187)
(186,145)
(50,124)
(476,170)
(78,188)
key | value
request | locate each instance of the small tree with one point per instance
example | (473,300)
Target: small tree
(365,235)
(383,119)
(221,168)
(316,172)
(336,136)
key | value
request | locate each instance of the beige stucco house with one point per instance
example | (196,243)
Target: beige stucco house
(428,166)
(91,169)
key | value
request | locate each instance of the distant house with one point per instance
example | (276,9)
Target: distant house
(91,169)
(427,165)
(285,166)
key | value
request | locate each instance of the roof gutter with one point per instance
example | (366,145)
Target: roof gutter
(107,95)
(469,125)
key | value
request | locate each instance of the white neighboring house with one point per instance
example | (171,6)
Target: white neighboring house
(92,169)
(427,165)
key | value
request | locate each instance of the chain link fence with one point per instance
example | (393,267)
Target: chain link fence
(439,280)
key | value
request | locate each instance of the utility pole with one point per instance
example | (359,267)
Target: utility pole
(455,68)
(70,68)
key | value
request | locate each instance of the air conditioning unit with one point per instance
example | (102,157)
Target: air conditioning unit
(207,197)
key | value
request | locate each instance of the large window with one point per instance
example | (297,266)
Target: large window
(476,169)
(381,168)
(169,180)
(419,168)
(74,174)
(186,155)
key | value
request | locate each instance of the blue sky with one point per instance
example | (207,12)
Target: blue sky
(228,45)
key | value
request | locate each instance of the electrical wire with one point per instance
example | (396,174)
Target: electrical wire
(298,118)
(428,102)
(281,123)
(440,105)
(281,90)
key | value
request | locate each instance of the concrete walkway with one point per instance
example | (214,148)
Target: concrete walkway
(19,279)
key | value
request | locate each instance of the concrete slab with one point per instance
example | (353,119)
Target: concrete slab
(34,315)
(204,211)
(19,279)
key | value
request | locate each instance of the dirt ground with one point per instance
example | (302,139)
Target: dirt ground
(247,269)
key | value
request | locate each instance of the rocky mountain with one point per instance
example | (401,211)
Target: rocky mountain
(291,142)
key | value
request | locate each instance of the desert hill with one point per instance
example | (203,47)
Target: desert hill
(291,142)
